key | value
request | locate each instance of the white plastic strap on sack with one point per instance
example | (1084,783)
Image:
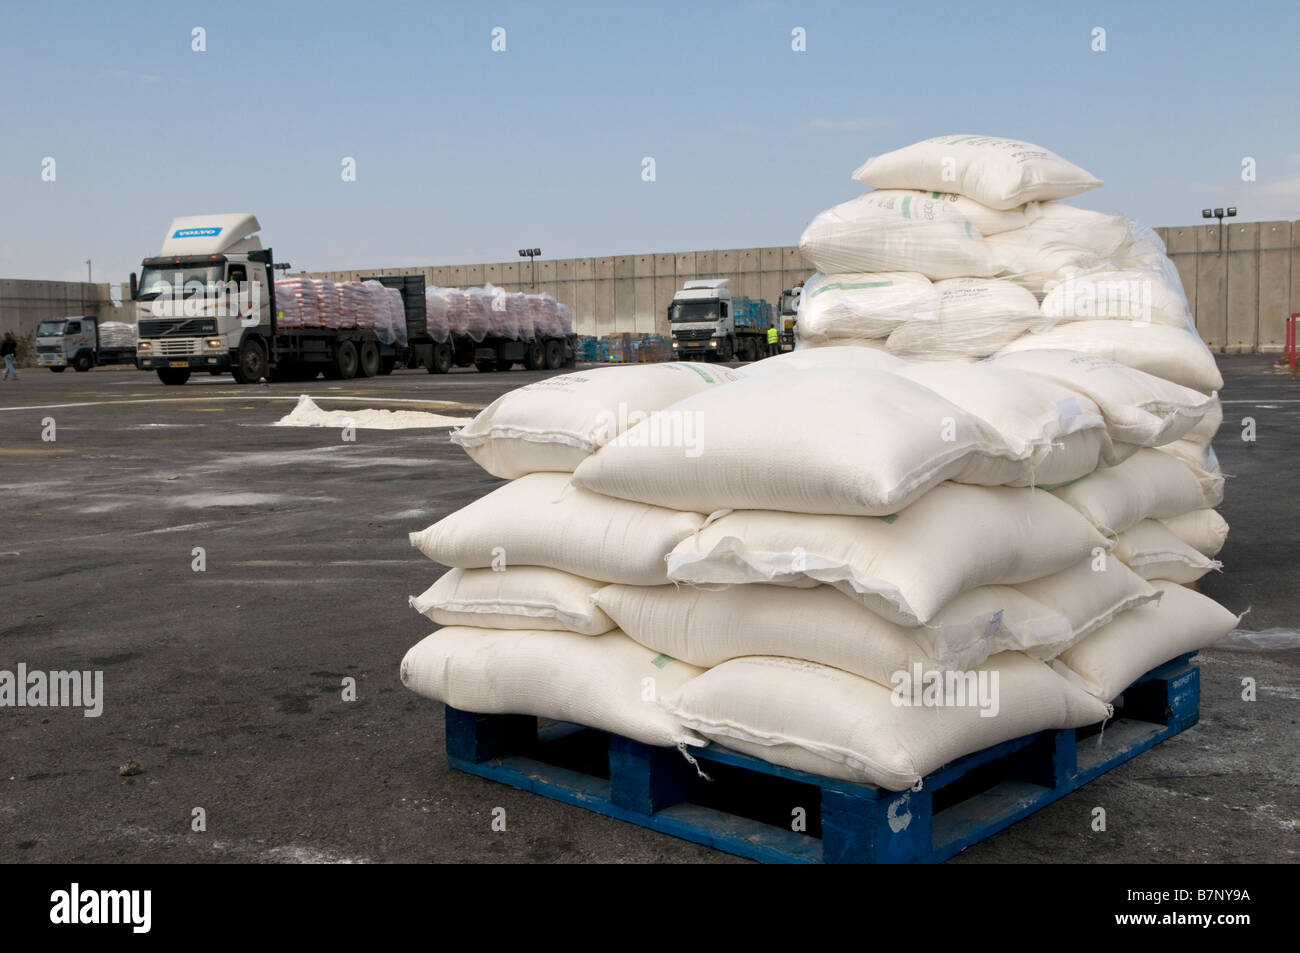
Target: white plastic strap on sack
(516,597)
(816,718)
(540,520)
(834,441)
(603,681)
(895,233)
(1154,551)
(1139,296)
(1110,659)
(554,424)
(985,535)
(1000,173)
(842,308)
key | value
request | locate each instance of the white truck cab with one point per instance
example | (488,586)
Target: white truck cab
(67,342)
(205,302)
(701,320)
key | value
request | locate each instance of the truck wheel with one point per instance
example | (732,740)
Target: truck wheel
(251,366)
(346,360)
(59,370)
(441,359)
(724,351)
(173,376)
(368,359)
(554,355)
(486,366)
(82,363)
(535,356)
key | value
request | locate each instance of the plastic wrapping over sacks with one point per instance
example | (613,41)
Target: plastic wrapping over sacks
(986,535)
(556,423)
(826,442)
(594,680)
(977,317)
(847,308)
(397,315)
(1000,173)
(116,334)
(327,303)
(437,313)
(897,233)
(1061,243)
(858,730)
(288,306)
(565,318)
(303,290)
(1140,296)
(868,360)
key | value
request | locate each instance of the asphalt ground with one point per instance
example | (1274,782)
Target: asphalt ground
(225,685)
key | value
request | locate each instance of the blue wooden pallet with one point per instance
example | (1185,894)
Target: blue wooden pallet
(747,806)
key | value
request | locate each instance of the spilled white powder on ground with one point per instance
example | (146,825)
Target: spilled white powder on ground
(308,414)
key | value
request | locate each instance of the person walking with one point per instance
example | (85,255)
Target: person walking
(773,347)
(9,349)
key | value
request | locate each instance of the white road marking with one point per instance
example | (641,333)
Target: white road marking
(182,400)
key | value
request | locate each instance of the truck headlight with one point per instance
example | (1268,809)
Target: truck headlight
(145,346)
(214,343)
(674,344)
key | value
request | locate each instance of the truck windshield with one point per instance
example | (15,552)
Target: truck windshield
(789,303)
(194,279)
(693,311)
(49,329)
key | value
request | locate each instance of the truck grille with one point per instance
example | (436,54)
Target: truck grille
(175,347)
(156,327)
(48,349)
(693,335)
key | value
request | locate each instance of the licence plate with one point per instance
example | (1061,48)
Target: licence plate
(179,363)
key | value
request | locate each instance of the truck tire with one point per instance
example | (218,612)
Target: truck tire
(59,370)
(486,366)
(173,376)
(554,355)
(345,360)
(82,363)
(745,350)
(368,359)
(726,351)
(251,365)
(535,356)
(441,362)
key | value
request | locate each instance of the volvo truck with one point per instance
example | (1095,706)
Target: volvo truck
(75,342)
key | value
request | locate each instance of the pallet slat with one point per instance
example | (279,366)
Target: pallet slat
(748,809)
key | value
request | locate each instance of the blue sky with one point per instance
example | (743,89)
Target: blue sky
(465,155)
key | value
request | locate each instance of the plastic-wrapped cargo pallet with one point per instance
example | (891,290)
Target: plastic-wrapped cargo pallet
(116,334)
(919,496)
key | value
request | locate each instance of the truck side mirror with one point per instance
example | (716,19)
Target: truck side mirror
(135,286)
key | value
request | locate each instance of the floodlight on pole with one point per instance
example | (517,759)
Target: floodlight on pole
(531,253)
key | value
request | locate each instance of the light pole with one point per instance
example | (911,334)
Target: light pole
(531,253)
(89,279)
(1220,214)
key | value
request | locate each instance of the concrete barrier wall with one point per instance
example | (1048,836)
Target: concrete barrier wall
(24,304)
(1241,295)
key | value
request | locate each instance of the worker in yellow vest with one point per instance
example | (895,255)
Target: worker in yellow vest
(773,347)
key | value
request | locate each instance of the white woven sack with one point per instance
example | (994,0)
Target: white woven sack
(517,597)
(1172,353)
(897,233)
(999,173)
(602,681)
(977,317)
(1139,408)
(1203,529)
(1154,551)
(540,520)
(840,308)
(554,424)
(905,568)
(816,718)
(836,441)
(1113,657)
(1060,430)
(986,221)
(1141,297)
(1089,595)
(1148,485)
(847,357)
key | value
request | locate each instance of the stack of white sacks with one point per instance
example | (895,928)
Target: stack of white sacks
(479,312)
(838,560)
(116,334)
